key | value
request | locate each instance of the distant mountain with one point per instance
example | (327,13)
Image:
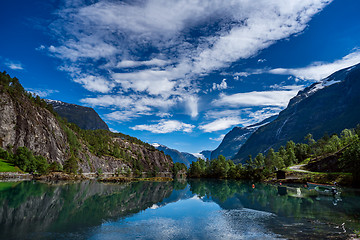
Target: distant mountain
(181,157)
(206,154)
(327,106)
(84,117)
(234,139)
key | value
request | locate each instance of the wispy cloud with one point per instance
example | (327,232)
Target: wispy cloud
(199,155)
(319,70)
(95,83)
(218,139)
(220,124)
(314,72)
(14,65)
(256,98)
(41,92)
(144,46)
(132,106)
(165,126)
(224,119)
(132,64)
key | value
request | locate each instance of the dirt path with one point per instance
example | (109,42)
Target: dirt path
(297,168)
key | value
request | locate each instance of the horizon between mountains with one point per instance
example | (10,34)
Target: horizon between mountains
(181,73)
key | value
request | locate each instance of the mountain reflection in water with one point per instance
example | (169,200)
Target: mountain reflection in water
(197,209)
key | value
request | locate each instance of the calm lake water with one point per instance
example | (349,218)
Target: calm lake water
(201,209)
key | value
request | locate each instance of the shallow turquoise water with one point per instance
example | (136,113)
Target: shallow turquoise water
(201,209)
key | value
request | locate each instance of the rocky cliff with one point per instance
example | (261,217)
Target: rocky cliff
(22,123)
(27,121)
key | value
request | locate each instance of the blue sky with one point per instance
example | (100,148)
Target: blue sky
(180,73)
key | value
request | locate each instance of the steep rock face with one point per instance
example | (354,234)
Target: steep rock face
(325,107)
(23,124)
(234,139)
(181,157)
(26,122)
(84,117)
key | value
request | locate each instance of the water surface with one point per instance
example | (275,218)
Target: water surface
(199,209)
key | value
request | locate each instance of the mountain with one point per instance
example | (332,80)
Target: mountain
(28,121)
(206,154)
(328,106)
(234,139)
(181,157)
(84,117)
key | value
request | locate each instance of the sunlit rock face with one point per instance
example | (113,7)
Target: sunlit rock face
(24,123)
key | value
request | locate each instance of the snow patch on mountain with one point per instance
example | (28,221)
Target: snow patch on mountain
(322,85)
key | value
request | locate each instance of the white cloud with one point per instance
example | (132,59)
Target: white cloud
(315,71)
(244,116)
(132,106)
(165,126)
(265,23)
(132,64)
(215,114)
(101,37)
(199,155)
(256,98)
(154,82)
(14,65)
(220,124)
(85,48)
(319,70)
(114,130)
(223,85)
(95,83)
(133,101)
(218,139)
(122,116)
(42,92)
(287,87)
(192,105)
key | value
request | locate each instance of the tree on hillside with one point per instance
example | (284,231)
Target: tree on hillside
(351,159)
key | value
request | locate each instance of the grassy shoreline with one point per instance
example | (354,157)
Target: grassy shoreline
(5,166)
(61,176)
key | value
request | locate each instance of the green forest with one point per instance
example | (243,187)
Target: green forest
(346,149)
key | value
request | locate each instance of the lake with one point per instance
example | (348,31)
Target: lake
(196,209)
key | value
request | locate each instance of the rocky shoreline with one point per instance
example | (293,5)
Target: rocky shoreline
(15,176)
(60,176)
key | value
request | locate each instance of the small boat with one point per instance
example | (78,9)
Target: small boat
(324,189)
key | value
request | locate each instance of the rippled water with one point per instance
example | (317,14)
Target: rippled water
(201,209)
